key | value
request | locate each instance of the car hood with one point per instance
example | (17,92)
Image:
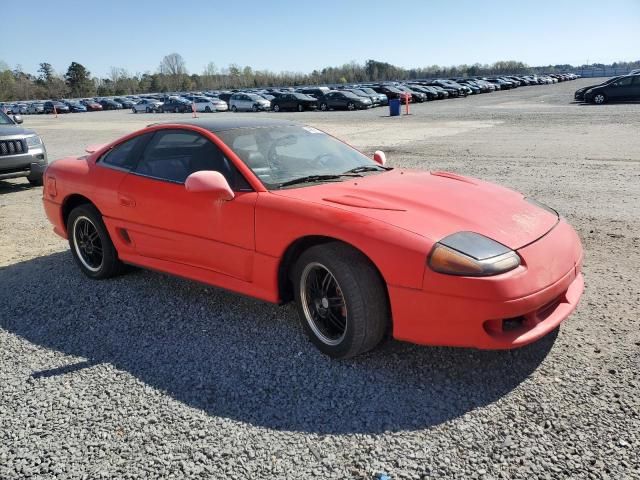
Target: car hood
(435,204)
(11,130)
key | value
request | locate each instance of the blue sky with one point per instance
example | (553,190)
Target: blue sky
(302,36)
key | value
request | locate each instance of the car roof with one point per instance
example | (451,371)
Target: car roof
(221,125)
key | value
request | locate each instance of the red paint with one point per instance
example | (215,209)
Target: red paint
(394,218)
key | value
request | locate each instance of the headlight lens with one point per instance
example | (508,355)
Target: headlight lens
(33,141)
(471,254)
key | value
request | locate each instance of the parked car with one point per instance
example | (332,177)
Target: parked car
(55,107)
(579,94)
(92,105)
(417,97)
(623,89)
(391,92)
(108,104)
(19,109)
(315,92)
(22,152)
(459,268)
(146,105)
(248,102)
(208,104)
(175,105)
(35,107)
(339,99)
(225,97)
(125,102)
(375,99)
(382,98)
(75,107)
(293,101)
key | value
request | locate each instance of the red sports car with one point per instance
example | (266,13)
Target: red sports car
(282,211)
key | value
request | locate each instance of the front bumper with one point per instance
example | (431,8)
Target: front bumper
(31,164)
(502,312)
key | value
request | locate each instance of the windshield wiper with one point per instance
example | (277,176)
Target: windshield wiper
(367,168)
(316,178)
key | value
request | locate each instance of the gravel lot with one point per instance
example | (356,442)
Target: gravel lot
(148,376)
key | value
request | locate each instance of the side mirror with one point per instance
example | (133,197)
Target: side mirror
(207,181)
(17,119)
(379,157)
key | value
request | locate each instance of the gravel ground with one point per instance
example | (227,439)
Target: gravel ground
(148,376)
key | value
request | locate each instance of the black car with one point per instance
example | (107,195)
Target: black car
(337,99)
(125,102)
(59,107)
(391,92)
(225,96)
(624,88)
(175,105)
(293,101)
(108,104)
(75,107)
(315,92)
(451,91)
(579,94)
(374,97)
(431,94)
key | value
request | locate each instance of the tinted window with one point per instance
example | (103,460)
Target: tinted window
(636,80)
(173,155)
(120,156)
(625,81)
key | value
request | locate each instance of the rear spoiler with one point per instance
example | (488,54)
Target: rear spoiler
(94,148)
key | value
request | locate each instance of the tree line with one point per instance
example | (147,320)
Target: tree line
(172,75)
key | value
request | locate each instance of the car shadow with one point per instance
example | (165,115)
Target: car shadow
(12,187)
(242,359)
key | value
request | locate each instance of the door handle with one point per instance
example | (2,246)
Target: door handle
(127,201)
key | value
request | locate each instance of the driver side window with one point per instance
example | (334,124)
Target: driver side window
(173,155)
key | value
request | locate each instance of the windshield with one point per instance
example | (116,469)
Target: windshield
(4,119)
(284,153)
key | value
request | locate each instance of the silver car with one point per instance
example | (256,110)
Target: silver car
(36,107)
(22,152)
(146,105)
(248,102)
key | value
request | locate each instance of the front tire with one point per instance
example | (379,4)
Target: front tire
(599,99)
(341,300)
(90,243)
(351,106)
(276,108)
(324,107)
(133,110)
(207,109)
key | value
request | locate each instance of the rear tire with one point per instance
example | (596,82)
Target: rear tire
(276,108)
(207,109)
(234,109)
(351,106)
(341,299)
(134,110)
(323,107)
(91,245)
